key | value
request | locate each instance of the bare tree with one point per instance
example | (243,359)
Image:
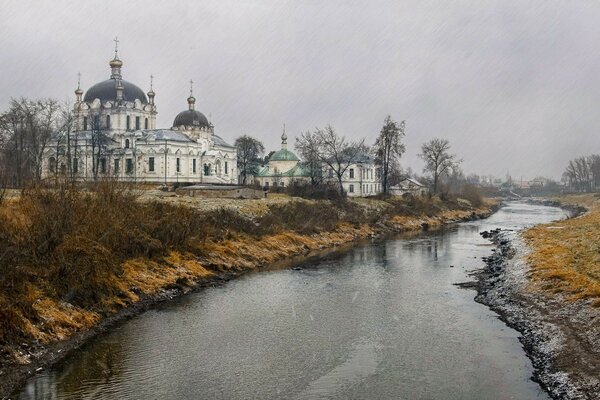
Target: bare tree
(249,151)
(334,151)
(389,148)
(582,174)
(27,128)
(308,147)
(438,160)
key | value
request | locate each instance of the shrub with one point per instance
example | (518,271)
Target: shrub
(321,191)
(300,216)
(472,194)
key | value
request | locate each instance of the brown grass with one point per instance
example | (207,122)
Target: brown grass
(565,256)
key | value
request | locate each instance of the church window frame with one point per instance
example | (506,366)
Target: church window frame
(145,123)
(151,165)
(108,122)
(85,123)
(178,165)
(194,166)
(137,123)
(128,122)
(52,164)
(117,165)
(129,165)
(103,165)
(351,188)
(351,171)
(75,165)
(226,168)
(127,143)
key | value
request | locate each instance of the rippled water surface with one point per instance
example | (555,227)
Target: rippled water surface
(383,321)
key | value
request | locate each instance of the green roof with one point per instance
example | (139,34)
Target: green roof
(295,172)
(283,155)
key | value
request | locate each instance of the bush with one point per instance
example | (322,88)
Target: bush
(472,194)
(78,238)
(322,191)
(301,217)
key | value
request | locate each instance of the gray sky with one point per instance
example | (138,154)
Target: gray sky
(514,86)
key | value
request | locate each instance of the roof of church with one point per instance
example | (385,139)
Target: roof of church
(165,134)
(220,142)
(178,136)
(191,118)
(283,155)
(107,91)
(297,171)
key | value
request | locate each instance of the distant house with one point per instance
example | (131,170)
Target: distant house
(362,178)
(409,185)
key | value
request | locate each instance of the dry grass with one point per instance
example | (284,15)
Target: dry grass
(565,256)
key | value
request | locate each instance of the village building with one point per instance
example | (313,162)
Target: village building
(282,168)
(114,134)
(361,179)
(410,186)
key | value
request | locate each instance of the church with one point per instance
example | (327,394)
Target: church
(113,134)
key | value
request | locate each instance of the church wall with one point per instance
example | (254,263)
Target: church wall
(165,167)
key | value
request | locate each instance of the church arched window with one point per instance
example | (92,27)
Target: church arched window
(128,122)
(146,123)
(126,143)
(52,164)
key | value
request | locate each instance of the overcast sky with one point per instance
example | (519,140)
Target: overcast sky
(514,86)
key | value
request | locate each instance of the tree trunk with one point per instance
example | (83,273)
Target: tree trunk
(342,193)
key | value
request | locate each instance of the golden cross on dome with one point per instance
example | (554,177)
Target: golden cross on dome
(151,80)
(116,40)
(191,88)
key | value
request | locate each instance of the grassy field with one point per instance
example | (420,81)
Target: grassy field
(565,256)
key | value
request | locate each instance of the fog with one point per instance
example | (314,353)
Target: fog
(512,85)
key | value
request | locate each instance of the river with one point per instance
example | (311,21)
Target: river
(383,320)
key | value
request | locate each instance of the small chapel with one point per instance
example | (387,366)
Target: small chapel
(114,134)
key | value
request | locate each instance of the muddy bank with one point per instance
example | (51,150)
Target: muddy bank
(224,261)
(562,338)
(574,209)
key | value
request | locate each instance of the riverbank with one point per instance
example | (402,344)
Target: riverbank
(540,284)
(50,324)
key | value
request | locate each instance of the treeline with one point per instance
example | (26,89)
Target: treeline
(327,156)
(583,174)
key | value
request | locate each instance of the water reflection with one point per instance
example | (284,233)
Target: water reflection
(382,321)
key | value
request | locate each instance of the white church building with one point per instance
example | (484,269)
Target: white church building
(114,134)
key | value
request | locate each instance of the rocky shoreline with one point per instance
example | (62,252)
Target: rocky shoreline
(559,337)
(41,357)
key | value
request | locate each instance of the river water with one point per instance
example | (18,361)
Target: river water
(381,321)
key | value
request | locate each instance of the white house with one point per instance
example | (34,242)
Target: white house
(409,185)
